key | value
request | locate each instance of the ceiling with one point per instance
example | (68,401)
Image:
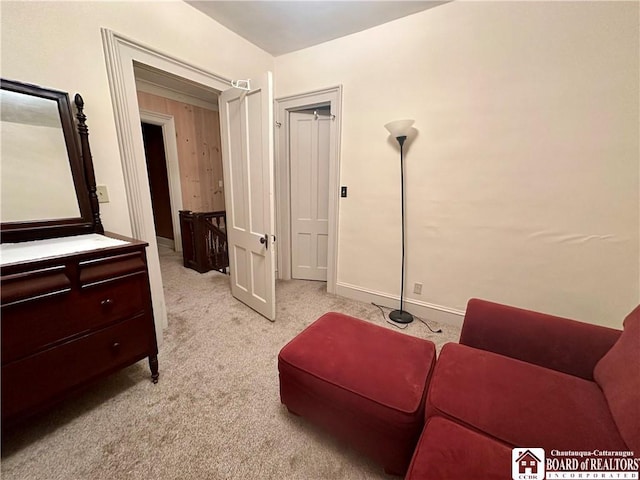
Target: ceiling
(280,27)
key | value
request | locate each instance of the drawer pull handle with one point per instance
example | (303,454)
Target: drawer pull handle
(115,346)
(108,303)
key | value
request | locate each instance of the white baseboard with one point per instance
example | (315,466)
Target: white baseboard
(424,310)
(166,242)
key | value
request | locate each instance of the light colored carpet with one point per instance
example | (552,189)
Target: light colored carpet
(215,413)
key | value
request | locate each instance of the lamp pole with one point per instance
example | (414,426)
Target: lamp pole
(399,129)
(400,316)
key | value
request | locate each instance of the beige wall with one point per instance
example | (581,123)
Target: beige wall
(199,151)
(59,45)
(523,180)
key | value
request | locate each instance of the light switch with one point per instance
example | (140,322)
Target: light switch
(103,194)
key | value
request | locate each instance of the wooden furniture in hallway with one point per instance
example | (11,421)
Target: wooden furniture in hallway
(204,241)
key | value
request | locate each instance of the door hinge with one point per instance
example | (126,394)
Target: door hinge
(242,84)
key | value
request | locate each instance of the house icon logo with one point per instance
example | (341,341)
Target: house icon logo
(527,464)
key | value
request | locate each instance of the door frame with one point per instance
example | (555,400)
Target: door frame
(120,54)
(168,124)
(331,96)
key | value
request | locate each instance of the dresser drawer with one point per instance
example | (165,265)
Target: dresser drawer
(101,269)
(31,325)
(34,284)
(44,377)
(112,300)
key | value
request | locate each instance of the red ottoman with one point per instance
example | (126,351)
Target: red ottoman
(363,383)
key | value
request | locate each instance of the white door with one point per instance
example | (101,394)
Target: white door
(309,152)
(246,126)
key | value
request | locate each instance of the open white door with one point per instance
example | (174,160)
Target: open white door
(246,125)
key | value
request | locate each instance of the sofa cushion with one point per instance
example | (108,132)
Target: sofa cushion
(449,451)
(618,374)
(558,343)
(520,403)
(561,344)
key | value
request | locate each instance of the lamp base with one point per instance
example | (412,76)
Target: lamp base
(400,316)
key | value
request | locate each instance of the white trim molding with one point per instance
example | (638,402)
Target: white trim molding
(168,124)
(121,53)
(424,310)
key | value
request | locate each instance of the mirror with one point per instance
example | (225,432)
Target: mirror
(47,178)
(34,155)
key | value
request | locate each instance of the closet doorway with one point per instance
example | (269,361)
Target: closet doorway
(307,175)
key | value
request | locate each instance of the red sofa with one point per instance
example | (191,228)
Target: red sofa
(525,379)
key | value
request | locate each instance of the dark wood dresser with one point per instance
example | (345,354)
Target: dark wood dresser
(75,302)
(70,319)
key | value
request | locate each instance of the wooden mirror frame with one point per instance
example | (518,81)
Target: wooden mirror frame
(81,164)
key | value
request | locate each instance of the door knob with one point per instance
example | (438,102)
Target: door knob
(264,240)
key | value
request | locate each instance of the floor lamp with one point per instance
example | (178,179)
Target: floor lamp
(399,129)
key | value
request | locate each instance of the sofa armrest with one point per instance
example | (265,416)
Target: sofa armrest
(557,343)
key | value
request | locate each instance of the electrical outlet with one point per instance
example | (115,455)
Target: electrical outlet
(417,288)
(103,194)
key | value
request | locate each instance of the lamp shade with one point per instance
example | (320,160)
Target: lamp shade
(399,128)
